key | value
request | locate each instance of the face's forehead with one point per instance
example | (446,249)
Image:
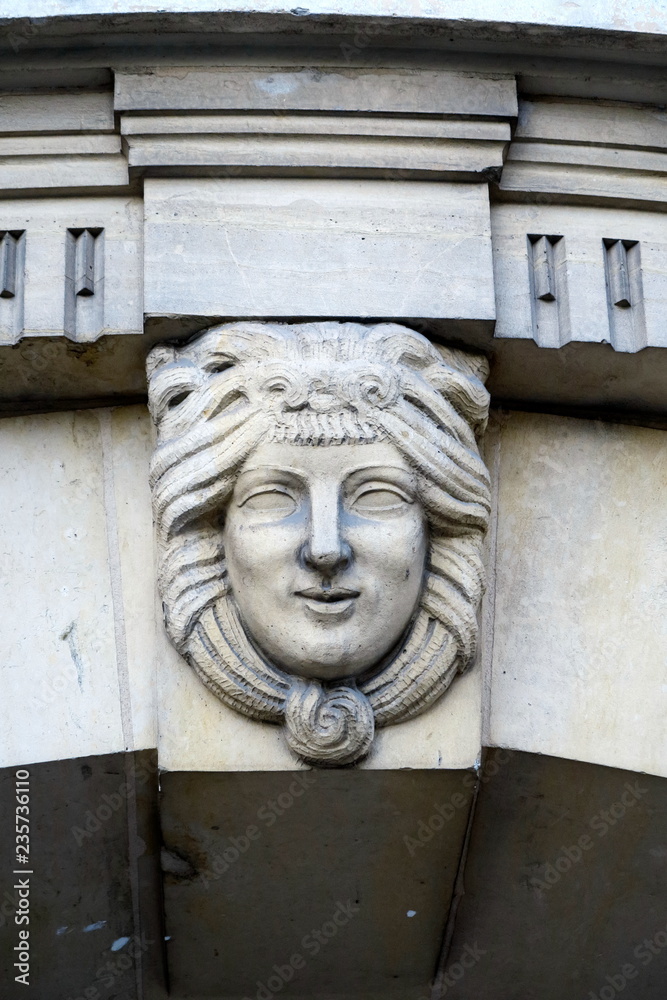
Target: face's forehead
(337,461)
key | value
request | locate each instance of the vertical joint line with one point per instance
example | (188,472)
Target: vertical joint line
(124,689)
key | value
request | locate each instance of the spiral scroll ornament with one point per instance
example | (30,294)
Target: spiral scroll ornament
(329,726)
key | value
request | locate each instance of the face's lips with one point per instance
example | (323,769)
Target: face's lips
(328,596)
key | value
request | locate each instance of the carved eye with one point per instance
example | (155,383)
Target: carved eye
(271,501)
(378,499)
(178,399)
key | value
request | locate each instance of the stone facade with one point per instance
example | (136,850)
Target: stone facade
(493,186)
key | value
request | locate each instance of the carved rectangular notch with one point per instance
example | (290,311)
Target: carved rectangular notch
(546,257)
(624,294)
(84,260)
(544,276)
(84,283)
(12,284)
(618,278)
(9,243)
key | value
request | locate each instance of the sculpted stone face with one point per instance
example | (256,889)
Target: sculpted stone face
(320,504)
(325,551)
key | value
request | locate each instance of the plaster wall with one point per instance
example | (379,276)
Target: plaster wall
(78,621)
(580,635)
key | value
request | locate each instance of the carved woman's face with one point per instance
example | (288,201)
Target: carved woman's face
(325,550)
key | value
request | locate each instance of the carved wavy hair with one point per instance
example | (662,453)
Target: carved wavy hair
(214,400)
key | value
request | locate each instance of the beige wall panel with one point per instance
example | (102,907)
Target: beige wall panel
(85,657)
(128,442)
(580,645)
(77,651)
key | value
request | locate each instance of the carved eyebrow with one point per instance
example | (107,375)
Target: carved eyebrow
(353,470)
(378,469)
(280,469)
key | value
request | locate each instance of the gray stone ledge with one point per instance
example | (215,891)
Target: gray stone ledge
(44,374)
(518,27)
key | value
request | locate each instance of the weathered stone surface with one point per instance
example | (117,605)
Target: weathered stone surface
(591,150)
(591,379)
(580,601)
(197,732)
(95,926)
(78,621)
(72,470)
(235,912)
(47,303)
(395,92)
(390,91)
(625,16)
(57,112)
(262,124)
(564,885)
(589,123)
(262,248)
(581,305)
(95,162)
(395,146)
(446,159)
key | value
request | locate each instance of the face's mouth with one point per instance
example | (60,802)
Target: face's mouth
(327,595)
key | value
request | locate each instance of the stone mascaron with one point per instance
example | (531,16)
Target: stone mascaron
(320,504)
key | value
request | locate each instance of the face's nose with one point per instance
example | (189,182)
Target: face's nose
(325,549)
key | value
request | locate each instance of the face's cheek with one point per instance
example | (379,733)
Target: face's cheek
(260,564)
(391,557)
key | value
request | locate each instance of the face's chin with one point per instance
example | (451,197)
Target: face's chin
(330,634)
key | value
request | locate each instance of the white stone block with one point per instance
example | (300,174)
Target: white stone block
(354,89)
(57,112)
(248,247)
(77,626)
(588,149)
(413,158)
(591,122)
(580,646)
